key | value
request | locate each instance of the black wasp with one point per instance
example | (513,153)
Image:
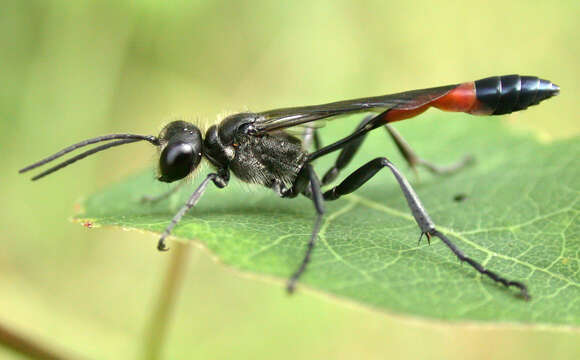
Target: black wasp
(256,148)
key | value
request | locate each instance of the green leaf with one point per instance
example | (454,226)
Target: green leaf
(519,218)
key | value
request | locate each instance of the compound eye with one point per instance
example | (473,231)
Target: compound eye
(177,161)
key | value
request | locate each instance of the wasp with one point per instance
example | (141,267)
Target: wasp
(258,148)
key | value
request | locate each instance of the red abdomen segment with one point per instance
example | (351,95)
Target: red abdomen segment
(490,96)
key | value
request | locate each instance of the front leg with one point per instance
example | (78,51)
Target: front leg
(220,180)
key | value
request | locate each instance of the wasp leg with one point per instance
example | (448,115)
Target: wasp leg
(347,153)
(315,193)
(317,142)
(162,196)
(220,181)
(349,150)
(414,160)
(310,137)
(367,171)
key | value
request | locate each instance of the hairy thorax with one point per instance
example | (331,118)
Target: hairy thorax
(274,157)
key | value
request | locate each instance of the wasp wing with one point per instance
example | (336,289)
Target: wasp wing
(278,119)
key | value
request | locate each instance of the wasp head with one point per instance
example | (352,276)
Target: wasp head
(181,150)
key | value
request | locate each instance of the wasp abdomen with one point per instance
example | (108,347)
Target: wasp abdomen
(509,93)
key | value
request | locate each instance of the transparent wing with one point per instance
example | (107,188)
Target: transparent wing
(289,117)
(301,129)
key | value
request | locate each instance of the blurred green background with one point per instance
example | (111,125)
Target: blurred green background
(73,70)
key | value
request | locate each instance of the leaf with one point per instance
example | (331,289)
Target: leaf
(519,218)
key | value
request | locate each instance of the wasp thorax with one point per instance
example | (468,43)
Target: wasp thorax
(181,150)
(230,126)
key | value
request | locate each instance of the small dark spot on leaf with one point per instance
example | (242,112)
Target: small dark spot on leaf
(460,197)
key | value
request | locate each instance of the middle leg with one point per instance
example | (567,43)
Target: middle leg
(315,193)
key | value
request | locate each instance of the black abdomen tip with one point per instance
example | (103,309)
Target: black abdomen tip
(509,93)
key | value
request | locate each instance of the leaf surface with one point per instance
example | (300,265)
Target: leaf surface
(519,217)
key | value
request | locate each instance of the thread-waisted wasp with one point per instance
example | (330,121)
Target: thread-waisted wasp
(257,148)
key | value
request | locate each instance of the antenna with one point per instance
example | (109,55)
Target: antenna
(121,140)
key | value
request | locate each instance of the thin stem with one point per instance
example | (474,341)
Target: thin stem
(156,331)
(28,347)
